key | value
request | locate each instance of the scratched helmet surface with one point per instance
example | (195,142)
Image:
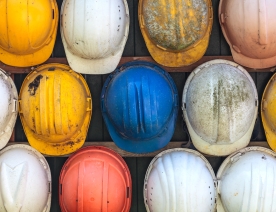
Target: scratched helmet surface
(96,179)
(27,31)
(139,107)
(220,106)
(55,109)
(176,32)
(94,34)
(246,181)
(25,180)
(268,112)
(173,180)
(9,107)
(250,32)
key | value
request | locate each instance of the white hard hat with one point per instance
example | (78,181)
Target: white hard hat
(247,181)
(180,180)
(220,105)
(25,180)
(94,34)
(9,108)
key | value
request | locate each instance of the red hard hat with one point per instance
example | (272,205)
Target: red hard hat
(95,178)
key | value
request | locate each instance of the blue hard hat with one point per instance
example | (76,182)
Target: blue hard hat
(139,106)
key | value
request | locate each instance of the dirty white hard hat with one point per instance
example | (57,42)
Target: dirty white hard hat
(94,34)
(9,107)
(220,105)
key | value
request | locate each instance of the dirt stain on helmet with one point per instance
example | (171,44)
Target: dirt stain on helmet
(34,85)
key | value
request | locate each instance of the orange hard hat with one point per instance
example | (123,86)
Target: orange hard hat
(95,178)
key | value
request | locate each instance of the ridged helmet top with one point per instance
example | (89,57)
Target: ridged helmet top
(180,180)
(95,179)
(80,25)
(25,180)
(55,109)
(175,25)
(140,104)
(246,180)
(220,103)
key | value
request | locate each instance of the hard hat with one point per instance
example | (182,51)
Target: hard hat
(55,109)
(248,27)
(246,181)
(95,178)
(94,34)
(25,180)
(9,107)
(176,32)
(139,106)
(268,109)
(220,105)
(27,31)
(180,180)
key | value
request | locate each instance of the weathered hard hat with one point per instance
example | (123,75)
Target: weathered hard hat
(268,112)
(95,178)
(176,32)
(25,180)
(27,31)
(220,105)
(247,181)
(94,34)
(180,180)
(55,109)
(8,106)
(248,27)
(139,106)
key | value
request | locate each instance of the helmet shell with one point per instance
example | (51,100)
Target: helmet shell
(139,106)
(95,178)
(27,31)
(250,32)
(268,107)
(173,181)
(220,106)
(25,180)
(94,34)
(55,109)
(246,180)
(9,107)
(176,32)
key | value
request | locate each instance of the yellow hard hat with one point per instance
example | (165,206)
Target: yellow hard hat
(55,108)
(268,112)
(27,31)
(176,32)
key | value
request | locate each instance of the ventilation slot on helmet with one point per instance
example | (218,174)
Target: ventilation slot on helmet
(53,14)
(60,188)
(127,192)
(51,69)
